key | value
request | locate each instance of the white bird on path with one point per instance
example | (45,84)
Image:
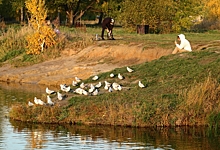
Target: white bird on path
(95,78)
(49,101)
(120,76)
(48,91)
(129,69)
(141,84)
(30,104)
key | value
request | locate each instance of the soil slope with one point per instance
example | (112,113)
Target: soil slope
(83,64)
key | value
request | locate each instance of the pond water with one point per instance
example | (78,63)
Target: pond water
(16,135)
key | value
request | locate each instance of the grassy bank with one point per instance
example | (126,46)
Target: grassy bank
(182,89)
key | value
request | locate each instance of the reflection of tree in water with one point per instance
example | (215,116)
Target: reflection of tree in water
(176,138)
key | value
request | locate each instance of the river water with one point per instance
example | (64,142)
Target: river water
(16,135)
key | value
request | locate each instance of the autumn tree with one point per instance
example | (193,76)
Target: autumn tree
(213,8)
(43,35)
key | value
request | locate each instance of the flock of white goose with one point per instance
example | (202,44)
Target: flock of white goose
(83,89)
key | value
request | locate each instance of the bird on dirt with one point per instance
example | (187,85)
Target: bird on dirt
(48,91)
(129,69)
(49,101)
(141,85)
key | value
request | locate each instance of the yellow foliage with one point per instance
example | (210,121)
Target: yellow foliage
(214,7)
(43,35)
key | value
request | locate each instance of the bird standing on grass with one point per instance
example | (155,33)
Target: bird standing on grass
(49,101)
(30,104)
(48,91)
(95,78)
(120,76)
(129,69)
(59,96)
(141,85)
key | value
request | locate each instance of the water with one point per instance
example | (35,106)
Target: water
(16,135)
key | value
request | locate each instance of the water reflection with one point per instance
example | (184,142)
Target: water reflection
(19,135)
(108,137)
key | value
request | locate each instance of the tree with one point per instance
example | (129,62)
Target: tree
(74,9)
(43,35)
(174,14)
(18,7)
(213,8)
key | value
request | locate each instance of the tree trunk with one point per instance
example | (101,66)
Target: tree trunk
(22,15)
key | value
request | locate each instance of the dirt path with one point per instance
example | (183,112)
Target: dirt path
(87,62)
